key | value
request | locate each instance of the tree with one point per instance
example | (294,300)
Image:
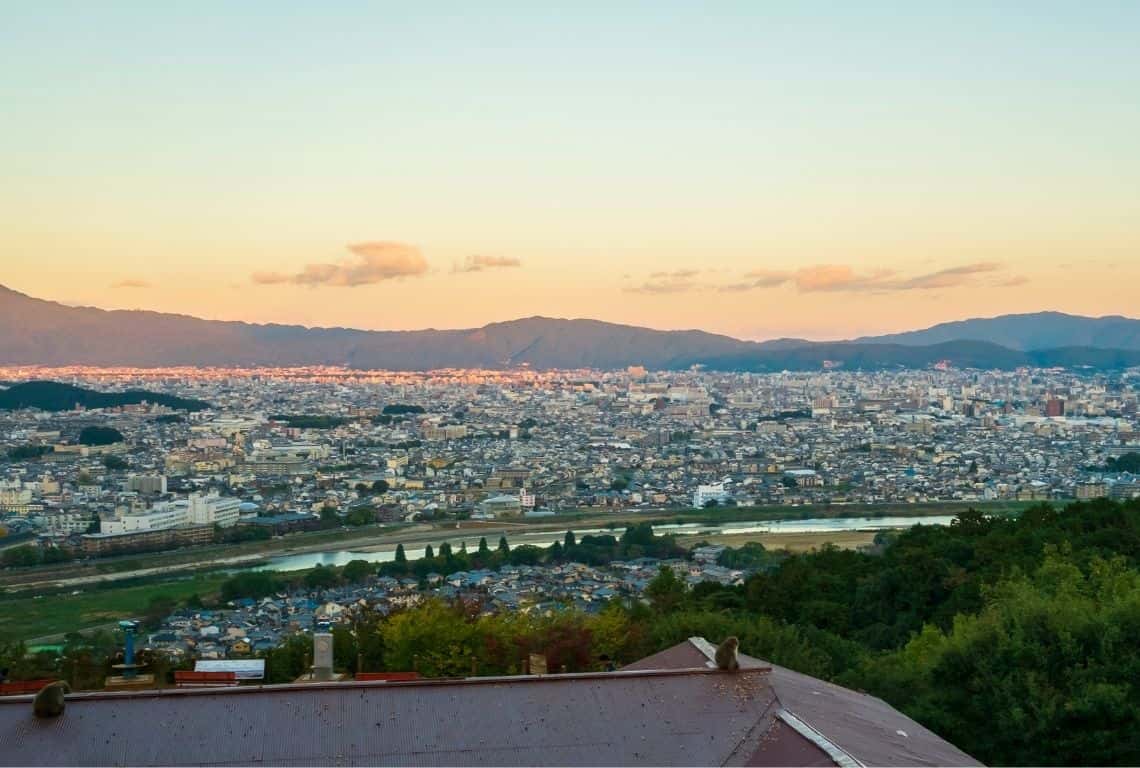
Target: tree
(253,584)
(329,517)
(665,592)
(20,557)
(25,452)
(484,550)
(115,463)
(569,541)
(362,515)
(159,607)
(380,486)
(95,525)
(445,550)
(356,571)
(429,553)
(433,639)
(1128,462)
(100,436)
(401,556)
(320,578)
(527,554)
(286,662)
(504,547)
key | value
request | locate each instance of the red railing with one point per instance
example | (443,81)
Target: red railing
(21,687)
(187,679)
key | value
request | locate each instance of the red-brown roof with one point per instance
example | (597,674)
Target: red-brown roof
(691,715)
(862,728)
(686,717)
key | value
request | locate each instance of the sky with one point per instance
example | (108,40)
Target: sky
(818,170)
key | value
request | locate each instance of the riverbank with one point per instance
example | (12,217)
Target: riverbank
(384,539)
(48,606)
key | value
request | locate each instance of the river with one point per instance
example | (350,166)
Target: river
(338,557)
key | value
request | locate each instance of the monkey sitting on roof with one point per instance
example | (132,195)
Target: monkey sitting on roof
(726,655)
(49,701)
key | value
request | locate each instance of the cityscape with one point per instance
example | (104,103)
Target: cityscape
(584,385)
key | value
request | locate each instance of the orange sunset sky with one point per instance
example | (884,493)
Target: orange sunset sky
(756,171)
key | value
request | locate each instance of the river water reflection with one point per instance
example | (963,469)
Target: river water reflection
(546,538)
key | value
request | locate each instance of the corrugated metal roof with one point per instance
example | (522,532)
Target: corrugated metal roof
(864,727)
(688,717)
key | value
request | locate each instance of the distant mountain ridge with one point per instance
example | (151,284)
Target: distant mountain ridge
(1039,330)
(38,332)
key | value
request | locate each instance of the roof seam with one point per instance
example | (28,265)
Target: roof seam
(775,701)
(706,648)
(842,758)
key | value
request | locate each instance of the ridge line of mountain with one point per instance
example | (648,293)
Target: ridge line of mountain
(39,332)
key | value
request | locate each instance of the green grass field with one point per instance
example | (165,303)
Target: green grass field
(27,617)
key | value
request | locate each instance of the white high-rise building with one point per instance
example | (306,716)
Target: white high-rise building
(214,510)
(706,493)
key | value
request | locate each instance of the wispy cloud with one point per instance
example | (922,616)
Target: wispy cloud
(131,283)
(374,262)
(949,278)
(1012,282)
(481,263)
(675,281)
(822,278)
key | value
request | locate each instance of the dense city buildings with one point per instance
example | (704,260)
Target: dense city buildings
(278,447)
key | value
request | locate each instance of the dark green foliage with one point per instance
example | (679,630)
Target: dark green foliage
(397,409)
(356,571)
(255,584)
(362,515)
(1128,462)
(54,396)
(527,554)
(751,556)
(290,660)
(26,452)
(20,557)
(401,556)
(666,592)
(100,436)
(321,577)
(115,463)
(239,533)
(380,486)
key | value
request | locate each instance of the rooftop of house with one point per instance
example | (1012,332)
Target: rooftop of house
(668,709)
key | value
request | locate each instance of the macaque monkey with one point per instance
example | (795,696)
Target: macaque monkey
(49,701)
(726,655)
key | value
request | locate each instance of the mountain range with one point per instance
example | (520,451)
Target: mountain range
(38,332)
